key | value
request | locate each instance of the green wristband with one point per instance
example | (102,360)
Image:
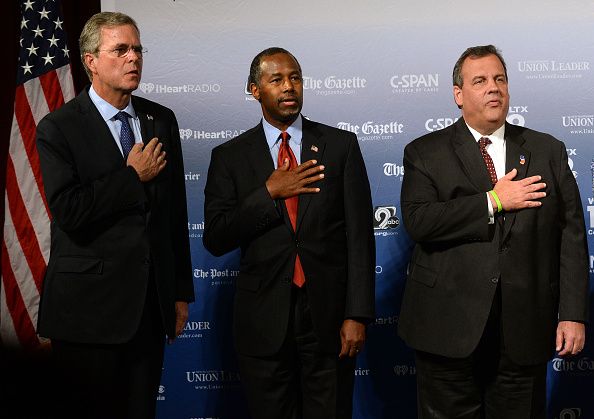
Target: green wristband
(494,195)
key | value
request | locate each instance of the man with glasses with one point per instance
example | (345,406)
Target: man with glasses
(119,277)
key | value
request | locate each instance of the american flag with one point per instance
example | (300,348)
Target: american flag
(44,83)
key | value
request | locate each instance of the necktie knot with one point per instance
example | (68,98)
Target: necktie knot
(285,137)
(484,142)
(122,116)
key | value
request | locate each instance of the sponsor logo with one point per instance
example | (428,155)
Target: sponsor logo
(571,152)
(384,218)
(553,69)
(385,321)
(225,134)
(379,269)
(415,83)
(148,88)
(216,276)
(334,85)
(213,379)
(404,370)
(371,131)
(591,264)
(360,372)
(516,115)
(575,365)
(435,124)
(392,169)
(578,124)
(570,413)
(195,230)
(191,176)
(194,329)
(161,393)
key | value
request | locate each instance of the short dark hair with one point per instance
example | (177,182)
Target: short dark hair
(256,70)
(478,51)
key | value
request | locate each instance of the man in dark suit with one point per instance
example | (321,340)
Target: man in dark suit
(499,276)
(294,196)
(119,277)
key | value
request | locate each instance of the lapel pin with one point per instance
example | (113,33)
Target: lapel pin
(314,148)
(522,159)
(149,117)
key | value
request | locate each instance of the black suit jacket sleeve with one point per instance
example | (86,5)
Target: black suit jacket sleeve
(232,220)
(430,218)
(73,202)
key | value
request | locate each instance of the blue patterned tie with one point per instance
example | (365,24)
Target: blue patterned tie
(126,134)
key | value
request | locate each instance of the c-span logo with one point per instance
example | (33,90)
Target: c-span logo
(385,218)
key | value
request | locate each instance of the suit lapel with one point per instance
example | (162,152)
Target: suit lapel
(516,157)
(147,121)
(313,146)
(470,157)
(258,154)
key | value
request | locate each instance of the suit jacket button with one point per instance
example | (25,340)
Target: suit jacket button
(494,280)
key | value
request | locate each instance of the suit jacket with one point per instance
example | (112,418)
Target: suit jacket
(334,237)
(108,229)
(539,257)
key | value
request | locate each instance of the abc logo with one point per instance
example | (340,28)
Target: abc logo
(385,218)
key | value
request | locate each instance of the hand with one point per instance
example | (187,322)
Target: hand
(352,338)
(518,194)
(571,338)
(181,317)
(284,183)
(147,162)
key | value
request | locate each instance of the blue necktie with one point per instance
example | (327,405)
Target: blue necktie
(126,134)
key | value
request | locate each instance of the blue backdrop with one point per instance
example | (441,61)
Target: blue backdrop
(381,69)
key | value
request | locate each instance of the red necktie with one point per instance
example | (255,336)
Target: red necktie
(284,153)
(483,143)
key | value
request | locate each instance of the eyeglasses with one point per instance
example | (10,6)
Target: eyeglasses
(123,50)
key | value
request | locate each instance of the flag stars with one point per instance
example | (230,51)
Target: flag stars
(32,49)
(24,23)
(58,23)
(38,32)
(28,5)
(66,51)
(48,59)
(27,68)
(53,41)
(43,14)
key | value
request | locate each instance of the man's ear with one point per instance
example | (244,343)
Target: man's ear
(458,96)
(255,91)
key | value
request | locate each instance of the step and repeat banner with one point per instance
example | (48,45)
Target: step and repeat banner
(382,70)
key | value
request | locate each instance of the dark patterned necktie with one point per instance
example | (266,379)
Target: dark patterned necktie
(126,134)
(483,143)
(284,153)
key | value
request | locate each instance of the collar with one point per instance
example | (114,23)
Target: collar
(498,136)
(272,133)
(106,109)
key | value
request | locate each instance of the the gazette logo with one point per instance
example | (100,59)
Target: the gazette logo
(392,169)
(578,124)
(334,85)
(224,134)
(415,83)
(372,131)
(573,365)
(553,69)
(148,88)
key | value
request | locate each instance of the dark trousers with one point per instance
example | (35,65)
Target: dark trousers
(299,381)
(485,385)
(113,381)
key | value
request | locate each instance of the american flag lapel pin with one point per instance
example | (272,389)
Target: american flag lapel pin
(522,159)
(314,148)
(149,117)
